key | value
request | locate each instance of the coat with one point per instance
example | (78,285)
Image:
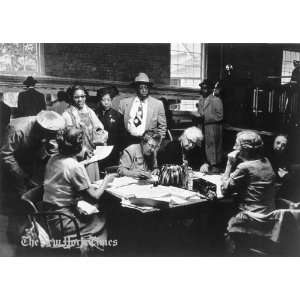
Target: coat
(30,103)
(156,118)
(22,155)
(211,110)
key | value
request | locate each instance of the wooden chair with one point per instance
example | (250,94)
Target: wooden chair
(32,201)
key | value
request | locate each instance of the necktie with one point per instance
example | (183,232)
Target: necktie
(139,115)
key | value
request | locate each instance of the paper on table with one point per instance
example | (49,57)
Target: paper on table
(100,153)
(162,193)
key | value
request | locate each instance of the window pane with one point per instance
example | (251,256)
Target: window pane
(19,58)
(186,64)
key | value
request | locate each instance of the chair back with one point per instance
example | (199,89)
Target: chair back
(32,198)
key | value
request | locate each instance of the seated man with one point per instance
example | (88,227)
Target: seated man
(186,149)
(138,160)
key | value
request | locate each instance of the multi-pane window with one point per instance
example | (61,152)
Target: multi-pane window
(187,64)
(20,58)
(287,65)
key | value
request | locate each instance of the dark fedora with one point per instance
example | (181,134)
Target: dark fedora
(29,81)
(208,83)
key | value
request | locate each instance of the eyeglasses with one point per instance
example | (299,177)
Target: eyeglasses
(79,96)
(152,146)
(191,141)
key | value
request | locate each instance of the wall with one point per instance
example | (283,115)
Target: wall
(117,62)
(253,62)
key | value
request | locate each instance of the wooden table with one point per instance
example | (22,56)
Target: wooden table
(178,230)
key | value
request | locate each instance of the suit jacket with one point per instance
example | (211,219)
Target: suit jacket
(155,119)
(30,103)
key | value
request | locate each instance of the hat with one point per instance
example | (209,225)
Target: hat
(29,81)
(50,120)
(142,78)
(207,82)
(248,140)
(103,91)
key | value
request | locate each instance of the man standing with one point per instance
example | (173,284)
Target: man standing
(142,112)
(30,102)
(210,109)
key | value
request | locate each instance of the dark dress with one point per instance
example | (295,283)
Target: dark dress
(30,103)
(113,122)
(173,153)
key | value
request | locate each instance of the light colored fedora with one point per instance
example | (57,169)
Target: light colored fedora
(50,120)
(142,78)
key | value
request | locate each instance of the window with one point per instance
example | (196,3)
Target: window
(287,65)
(20,58)
(187,64)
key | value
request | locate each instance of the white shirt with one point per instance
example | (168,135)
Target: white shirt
(132,128)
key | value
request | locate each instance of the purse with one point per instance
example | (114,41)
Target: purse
(174,175)
(100,137)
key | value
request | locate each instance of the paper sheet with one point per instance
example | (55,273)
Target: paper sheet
(100,153)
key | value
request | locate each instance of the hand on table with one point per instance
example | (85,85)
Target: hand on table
(108,179)
(141,174)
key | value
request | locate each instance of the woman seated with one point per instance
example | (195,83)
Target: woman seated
(253,177)
(139,160)
(66,182)
(113,124)
(186,149)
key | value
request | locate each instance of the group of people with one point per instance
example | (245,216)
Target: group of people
(47,147)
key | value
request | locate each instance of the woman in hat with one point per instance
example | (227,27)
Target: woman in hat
(66,182)
(113,124)
(250,174)
(81,116)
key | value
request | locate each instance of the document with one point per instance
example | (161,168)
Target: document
(100,153)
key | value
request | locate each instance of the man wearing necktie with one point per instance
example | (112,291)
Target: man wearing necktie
(142,112)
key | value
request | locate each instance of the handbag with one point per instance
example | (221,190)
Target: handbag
(100,136)
(35,235)
(174,175)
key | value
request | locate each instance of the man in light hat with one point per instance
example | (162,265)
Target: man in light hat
(27,145)
(30,102)
(142,112)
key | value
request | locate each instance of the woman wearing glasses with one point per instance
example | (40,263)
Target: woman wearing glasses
(186,149)
(83,117)
(139,160)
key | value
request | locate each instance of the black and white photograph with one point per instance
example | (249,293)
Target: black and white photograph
(154,137)
(150,149)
